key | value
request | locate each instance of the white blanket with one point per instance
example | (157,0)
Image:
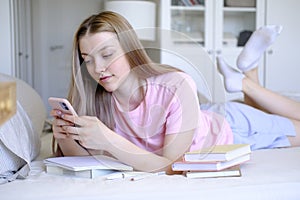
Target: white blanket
(271,174)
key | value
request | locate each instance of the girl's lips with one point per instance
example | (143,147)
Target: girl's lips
(105,78)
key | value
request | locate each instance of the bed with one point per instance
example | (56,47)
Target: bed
(270,174)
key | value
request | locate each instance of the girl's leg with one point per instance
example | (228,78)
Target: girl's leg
(274,103)
(247,82)
(248,59)
(260,129)
(233,80)
(270,101)
(253,75)
(265,99)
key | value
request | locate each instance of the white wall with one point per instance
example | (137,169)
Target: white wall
(5,39)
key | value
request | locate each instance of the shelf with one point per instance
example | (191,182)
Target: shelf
(188,8)
(239,9)
(196,37)
(189,21)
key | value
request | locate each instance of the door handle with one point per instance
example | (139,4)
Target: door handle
(56,47)
(270,52)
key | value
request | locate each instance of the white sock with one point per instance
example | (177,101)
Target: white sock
(232,78)
(259,41)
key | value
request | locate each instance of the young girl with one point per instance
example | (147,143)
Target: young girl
(147,115)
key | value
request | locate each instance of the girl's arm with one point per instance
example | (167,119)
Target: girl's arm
(175,146)
(93,134)
(70,147)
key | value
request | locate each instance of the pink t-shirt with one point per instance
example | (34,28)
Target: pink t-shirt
(170,106)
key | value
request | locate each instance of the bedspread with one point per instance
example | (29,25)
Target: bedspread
(270,174)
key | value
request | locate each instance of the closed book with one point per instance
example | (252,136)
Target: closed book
(208,166)
(218,153)
(81,163)
(90,173)
(229,172)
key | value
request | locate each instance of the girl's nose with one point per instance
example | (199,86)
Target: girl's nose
(100,67)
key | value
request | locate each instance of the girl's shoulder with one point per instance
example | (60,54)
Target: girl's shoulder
(173,79)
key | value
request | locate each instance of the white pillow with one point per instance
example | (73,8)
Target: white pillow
(19,145)
(20,136)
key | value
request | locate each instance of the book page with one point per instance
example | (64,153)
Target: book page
(78,163)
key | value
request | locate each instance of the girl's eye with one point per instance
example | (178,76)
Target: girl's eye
(107,55)
(88,62)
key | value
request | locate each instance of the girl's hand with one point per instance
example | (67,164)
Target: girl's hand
(59,124)
(89,131)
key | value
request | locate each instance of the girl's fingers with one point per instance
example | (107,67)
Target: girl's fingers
(60,136)
(71,130)
(59,133)
(55,113)
(74,119)
(59,129)
(60,115)
(61,122)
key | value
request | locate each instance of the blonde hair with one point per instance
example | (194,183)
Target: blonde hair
(83,86)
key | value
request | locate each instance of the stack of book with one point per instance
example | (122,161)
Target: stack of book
(84,166)
(216,161)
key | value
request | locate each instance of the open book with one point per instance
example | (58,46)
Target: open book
(84,166)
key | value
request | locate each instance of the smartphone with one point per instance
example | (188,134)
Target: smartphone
(62,104)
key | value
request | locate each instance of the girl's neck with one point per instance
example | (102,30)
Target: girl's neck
(132,92)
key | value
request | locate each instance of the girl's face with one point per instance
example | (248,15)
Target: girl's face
(105,59)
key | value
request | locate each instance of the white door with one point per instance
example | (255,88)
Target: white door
(21,32)
(54,23)
(282,63)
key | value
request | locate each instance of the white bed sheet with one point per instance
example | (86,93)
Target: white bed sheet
(271,174)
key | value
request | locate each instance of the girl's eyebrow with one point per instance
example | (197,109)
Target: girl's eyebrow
(103,48)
